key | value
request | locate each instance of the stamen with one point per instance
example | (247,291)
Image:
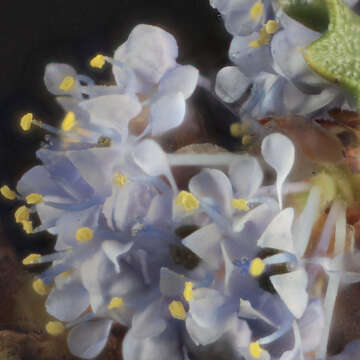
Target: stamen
(255,350)
(31,259)
(68,122)
(187,200)
(177,310)
(84,235)
(271,27)
(257,267)
(240,204)
(34,199)
(7,193)
(65,274)
(26,121)
(263,39)
(246,140)
(115,303)
(55,328)
(98,61)
(22,214)
(237,129)
(40,287)
(119,180)
(188,291)
(27,226)
(256,10)
(67,84)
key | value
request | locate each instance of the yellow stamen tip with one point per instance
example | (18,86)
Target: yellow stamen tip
(257,267)
(34,198)
(84,235)
(240,204)
(98,61)
(256,10)
(255,44)
(26,120)
(7,193)
(55,328)
(246,139)
(40,287)
(27,226)
(31,259)
(119,180)
(272,27)
(65,274)
(177,310)
(22,214)
(255,350)
(68,122)
(188,291)
(115,303)
(67,84)
(187,200)
(237,129)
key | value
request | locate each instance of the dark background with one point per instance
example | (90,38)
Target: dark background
(35,33)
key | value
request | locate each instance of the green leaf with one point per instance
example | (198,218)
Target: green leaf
(336,55)
(311,13)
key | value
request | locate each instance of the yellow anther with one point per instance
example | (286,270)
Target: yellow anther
(65,274)
(27,226)
(119,180)
(7,193)
(26,121)
(271,27)
(40,287)
(84,235)
(255,350)
(22,214)
(257,267)
(34,198)
(98,61)
(256,10)
(240,204)
(55,328)
(177,310)
(68,122)
(31,259)
(67,84)
(263,39)
(187,200)
(115,303)
(246,139)
(188,291)
(237,129)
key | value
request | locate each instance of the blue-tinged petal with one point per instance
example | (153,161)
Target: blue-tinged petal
(67,302)
(171,283)
(304,223)
(160,210)
(279,152)
(229,267)
(149,52)
(54,77)
(246,176)
(112,111)
(151,158)
(205,243)
(311,326)
(165,346)
(238,19)
(114,249)
(291,288)
(202,335)
(88,339)
(150,321)
(213,187)
(250,61)
(231,84)
(167,112)
(278,233)
(65,174)
(183,78)
(206,307)
(221,5)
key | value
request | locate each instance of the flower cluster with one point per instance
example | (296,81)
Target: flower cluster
(267,50)
(226,266)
